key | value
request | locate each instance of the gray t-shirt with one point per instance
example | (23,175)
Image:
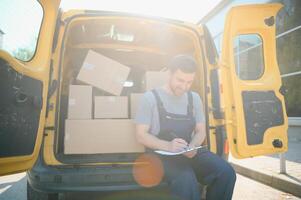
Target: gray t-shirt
(147,111)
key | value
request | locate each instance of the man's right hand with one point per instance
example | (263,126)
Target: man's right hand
(177,144)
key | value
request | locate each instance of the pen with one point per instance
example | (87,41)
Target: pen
(176,136)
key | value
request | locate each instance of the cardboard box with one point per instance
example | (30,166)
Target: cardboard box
(103,73)
(100,136)
(154,79)
(80,102)
(111,107)
(135,99)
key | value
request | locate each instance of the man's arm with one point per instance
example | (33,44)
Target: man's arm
(149,140)
(199,135)
(153,142)
(200,130)
(197,139)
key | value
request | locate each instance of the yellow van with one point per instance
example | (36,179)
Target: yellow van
(243,98)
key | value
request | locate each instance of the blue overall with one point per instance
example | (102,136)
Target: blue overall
(184,174)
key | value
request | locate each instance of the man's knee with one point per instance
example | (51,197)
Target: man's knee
(229,172)
(185,185)
(185,178)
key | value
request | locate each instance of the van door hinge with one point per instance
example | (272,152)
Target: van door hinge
(47,129)
(50,87)
(50,106)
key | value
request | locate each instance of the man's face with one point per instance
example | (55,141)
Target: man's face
(180,82)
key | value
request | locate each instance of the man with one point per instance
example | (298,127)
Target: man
(171,118)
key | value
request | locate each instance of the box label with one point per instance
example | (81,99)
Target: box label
(88,66)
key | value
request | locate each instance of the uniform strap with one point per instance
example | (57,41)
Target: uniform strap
(160,103)
(190,103)
(158,99)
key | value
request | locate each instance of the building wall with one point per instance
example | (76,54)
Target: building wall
(288,26)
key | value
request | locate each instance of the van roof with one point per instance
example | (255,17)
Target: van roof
(67,15)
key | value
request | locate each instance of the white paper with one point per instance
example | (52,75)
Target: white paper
(168,153)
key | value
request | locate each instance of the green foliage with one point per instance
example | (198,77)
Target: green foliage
(23,54)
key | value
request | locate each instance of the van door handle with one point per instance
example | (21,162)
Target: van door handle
(21,98)
(277,143)
(283,90)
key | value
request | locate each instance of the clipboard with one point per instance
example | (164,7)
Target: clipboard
(168,153)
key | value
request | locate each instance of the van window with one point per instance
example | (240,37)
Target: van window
(248,52)
(20,23)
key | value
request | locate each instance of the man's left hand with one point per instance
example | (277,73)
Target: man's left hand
(190,154)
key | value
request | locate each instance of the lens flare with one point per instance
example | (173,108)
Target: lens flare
(148,170)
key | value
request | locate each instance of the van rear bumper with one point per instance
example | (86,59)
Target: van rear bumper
(79,181)
(54,179)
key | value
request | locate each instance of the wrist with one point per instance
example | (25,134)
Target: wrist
(191,145)
(167,146)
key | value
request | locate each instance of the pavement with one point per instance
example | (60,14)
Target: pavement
(266,169)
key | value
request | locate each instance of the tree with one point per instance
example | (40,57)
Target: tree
(23,54)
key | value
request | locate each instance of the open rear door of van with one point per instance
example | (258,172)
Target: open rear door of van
(252,95)
(24,85)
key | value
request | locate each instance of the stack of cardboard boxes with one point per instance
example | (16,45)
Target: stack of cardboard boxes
(101,124)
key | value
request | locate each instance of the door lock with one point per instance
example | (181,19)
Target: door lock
(277,143)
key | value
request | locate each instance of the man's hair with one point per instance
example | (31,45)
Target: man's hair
(184,63)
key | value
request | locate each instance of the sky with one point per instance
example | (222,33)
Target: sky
(20,22)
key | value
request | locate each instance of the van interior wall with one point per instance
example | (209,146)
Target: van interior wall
(138,57)
(143,45)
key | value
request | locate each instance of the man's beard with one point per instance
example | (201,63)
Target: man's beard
(177,92)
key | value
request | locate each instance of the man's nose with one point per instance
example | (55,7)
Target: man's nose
(183,86)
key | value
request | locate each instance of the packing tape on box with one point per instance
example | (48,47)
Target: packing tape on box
(119,80)
(111,99)
(67,136)
(72,102)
